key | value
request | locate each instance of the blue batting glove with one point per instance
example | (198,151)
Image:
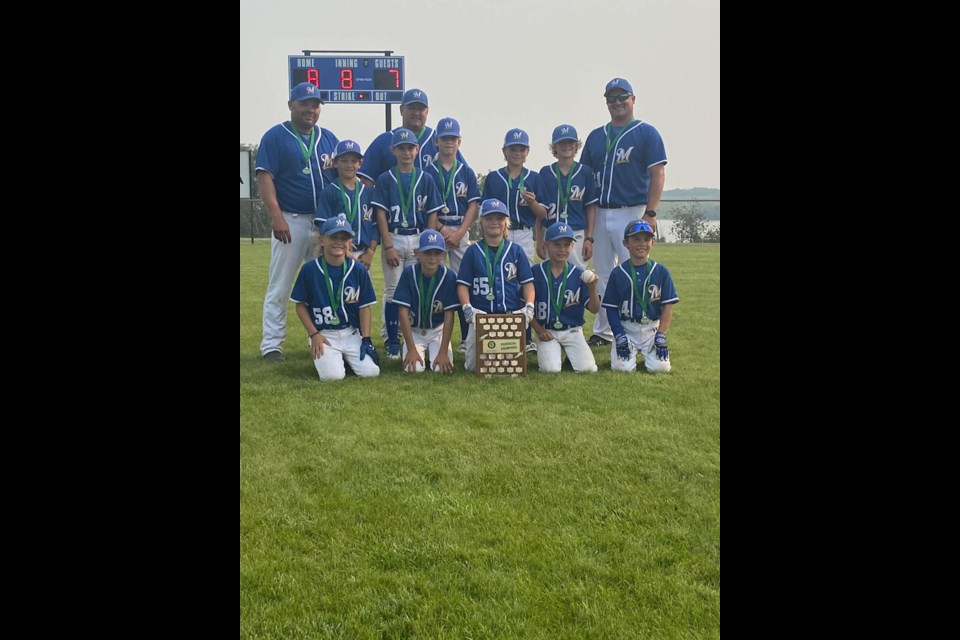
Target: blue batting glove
(660,342)
(367,349)
(623,347)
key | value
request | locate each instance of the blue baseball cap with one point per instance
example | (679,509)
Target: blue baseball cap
(565,132)
(336,225)
(618,83)
(413,96)
(448,127)
(492,205)
(516,136)
(347,146)
(635,227)
(432,239)
(305,91)
(403,136)
(559,230)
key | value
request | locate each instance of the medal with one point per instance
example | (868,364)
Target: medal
(490,296)
(446,209)
(557,325)
(306,169)
(334,321)
(404,224)
(423,332)
(644,320)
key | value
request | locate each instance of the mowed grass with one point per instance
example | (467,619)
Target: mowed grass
(427,506)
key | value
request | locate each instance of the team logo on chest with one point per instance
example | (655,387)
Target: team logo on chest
(576,193)
(351,295)
(421,203)
(654,292)
(460,189)
(511,269)
(326,160)
(367,212)
(623,155)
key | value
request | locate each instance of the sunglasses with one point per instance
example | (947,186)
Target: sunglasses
(621,97)
(637,227)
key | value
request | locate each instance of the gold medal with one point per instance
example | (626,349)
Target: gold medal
(446,209)
(644,320)
(557,325)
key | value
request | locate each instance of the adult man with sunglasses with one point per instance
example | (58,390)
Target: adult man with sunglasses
(629,158)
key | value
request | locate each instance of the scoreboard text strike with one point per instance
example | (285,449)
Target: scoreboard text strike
(367,80)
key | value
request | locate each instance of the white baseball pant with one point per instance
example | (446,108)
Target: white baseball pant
(344,345)
(429,342)
(285,263)
(608,252)
(572,341)
(640,337)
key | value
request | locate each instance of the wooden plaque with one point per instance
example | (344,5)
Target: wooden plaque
(501,345)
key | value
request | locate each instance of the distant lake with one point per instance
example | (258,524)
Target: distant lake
(665,228)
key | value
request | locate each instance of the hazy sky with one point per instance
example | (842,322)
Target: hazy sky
(495,65)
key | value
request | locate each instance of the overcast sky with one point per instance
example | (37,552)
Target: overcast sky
(495,65)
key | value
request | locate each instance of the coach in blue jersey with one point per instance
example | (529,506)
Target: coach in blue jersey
(293,167)
(629,158)
(413,112)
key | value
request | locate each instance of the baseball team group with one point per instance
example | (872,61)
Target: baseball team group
(413,195)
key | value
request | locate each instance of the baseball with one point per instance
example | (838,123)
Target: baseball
(588,276)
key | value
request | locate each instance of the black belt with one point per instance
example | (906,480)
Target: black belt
(617,206)
(453,220)
(405,232)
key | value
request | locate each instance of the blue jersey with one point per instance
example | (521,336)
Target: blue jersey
(499,186)
(621,294)
(426,200)
(463,191)
(444,296)
(311,289)
(280,155)
(380,158)
(332,204)
(574,293)
(511,271)
(582,189)
(623,172)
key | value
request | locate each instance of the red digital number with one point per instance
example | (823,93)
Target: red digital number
(313,77)
(396,77)
(346,79)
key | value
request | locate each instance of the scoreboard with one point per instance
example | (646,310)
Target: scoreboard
(351,79)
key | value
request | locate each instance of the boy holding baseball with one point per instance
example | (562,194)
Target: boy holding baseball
(562,291)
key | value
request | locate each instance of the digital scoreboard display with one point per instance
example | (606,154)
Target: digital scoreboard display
(355,79)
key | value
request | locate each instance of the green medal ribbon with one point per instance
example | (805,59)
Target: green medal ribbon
(334,299)
(354,210)
(446,188)
(510,185)
(496,260)
(558,304)
(642,296)
(563,190)
(607,129)
(406,201)
(305,151)
(426,297)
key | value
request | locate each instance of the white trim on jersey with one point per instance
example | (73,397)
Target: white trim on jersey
(506,181)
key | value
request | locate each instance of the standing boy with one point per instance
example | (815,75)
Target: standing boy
(570,195)
(426,298)
(333,295)
(461,196)
(494,276)
(562,291)
(349,196)
(639,302)
(407,203)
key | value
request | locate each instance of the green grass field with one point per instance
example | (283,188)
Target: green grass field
(428,506)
